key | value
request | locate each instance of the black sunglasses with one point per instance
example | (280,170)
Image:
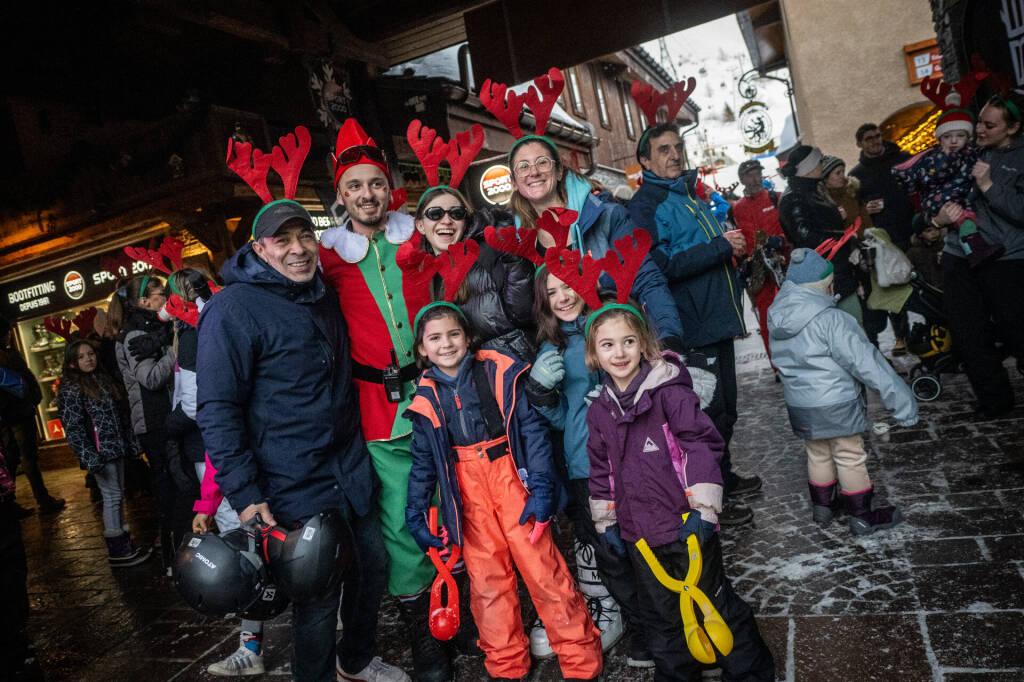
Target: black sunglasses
(350,155)
(455,212)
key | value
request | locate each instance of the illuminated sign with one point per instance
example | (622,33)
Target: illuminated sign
(74,285)
(496,185)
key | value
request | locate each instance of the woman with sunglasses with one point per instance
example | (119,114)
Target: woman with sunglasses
(975,297)
(497,295)
(541,182)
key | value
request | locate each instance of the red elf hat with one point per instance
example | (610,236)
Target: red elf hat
(355,147)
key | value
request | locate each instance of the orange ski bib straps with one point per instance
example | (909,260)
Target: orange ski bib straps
(494,546)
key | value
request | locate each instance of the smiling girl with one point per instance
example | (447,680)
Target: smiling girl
(477,440)
(654,456)
(497,295)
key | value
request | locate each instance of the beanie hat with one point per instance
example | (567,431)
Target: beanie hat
(355,147)
(806,266)
(830,163)
(801,160)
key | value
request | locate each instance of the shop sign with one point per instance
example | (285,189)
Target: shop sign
(755,126)
(1012,15)
(496,185)
(923,59)
(61,288)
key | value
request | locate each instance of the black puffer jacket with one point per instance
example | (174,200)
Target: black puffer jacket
(808,218)
(878,182)
(499,293)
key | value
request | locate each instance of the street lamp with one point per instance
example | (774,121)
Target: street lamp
(748,90)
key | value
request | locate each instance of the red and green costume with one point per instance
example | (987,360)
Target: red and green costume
(379,305)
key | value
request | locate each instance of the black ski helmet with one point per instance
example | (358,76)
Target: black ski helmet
(309,561)
(220,574)
(271,602)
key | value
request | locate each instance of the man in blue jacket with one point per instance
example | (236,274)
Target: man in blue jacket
(697,256)
(280,422)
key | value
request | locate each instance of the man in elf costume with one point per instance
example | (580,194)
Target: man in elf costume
(379,305)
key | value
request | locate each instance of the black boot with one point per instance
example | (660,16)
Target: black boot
(865,520)
(824,505)
(429,658)
(464,643)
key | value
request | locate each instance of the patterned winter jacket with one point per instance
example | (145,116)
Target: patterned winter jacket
(97,429)
(937,177)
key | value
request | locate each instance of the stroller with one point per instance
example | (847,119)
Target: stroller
(930,341)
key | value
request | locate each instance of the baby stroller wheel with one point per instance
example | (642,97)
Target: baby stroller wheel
(926,387)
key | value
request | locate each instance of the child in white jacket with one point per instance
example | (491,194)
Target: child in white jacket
(825,360)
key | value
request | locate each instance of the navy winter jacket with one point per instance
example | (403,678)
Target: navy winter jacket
(433,467)
(693,254)
(277,407)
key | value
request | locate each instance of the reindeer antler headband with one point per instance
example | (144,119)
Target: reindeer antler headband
(649,101)
(582,273)
(166,259)
(85,320)
(431,150)
(507,106)
(453,265)
(286,159)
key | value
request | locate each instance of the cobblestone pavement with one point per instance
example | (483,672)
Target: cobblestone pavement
(939,598)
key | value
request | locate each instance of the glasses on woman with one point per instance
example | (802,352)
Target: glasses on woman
(543,164)
(435,213)
(350,155)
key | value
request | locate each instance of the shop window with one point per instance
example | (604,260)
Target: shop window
(627,112)
(575,94)
(602,104)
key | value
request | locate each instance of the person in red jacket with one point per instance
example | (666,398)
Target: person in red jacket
(757,217)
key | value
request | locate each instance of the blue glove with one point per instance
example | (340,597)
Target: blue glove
(695,525)
(613,540)
(416,522)
(539,505)
(548,370)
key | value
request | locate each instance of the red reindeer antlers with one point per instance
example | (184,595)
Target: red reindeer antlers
(167,259)
(622,264)
(557,222)
(946,96)
(462,150)
(565,265)
(507,106)
(650,100)
(431,150)
(633,249)
(114,262)
(453,265)
(520,242)
(59,326)
(85,320)
(286,158)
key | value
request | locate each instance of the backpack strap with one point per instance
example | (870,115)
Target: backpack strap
(493,421)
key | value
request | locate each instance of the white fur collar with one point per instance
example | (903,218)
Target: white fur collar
(353,247)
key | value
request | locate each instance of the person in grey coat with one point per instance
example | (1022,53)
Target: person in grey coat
(825,360)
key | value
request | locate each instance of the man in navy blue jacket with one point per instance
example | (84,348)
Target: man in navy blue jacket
(696,255)
(280,422)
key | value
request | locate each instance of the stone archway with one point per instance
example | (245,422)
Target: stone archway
(912,127)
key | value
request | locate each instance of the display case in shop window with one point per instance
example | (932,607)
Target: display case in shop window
(44,353)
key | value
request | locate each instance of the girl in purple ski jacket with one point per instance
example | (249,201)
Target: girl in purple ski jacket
(653,458)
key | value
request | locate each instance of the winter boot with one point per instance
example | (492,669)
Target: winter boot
(540,647)
(639,654)
(824,505)
(429,659)
(122,553)
(863,519)
(604,610)
(465,642)
(979,251)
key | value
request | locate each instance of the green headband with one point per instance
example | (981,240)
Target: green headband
(543,139)
(145,283)
(643,138)
(427,193)
(432,306)
(170,283)
(607,307)
(1009,106)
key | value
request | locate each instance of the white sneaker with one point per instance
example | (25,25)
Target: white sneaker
(242,662)
(375,671)
(540,647)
